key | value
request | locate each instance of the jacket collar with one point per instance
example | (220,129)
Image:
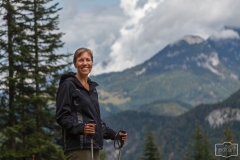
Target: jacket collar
(72,77)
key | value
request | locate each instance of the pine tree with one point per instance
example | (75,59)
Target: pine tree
(42,42)
(228,137)
(151,150)
(199,148)
(30,66)
(10,33)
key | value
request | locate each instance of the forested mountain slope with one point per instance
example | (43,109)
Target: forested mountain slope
(174,133)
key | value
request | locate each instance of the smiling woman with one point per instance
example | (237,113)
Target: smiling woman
(78,113)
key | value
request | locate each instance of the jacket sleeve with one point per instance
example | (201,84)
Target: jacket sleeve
(108,133)
(64,114)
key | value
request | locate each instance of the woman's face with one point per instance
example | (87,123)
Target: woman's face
(84,64)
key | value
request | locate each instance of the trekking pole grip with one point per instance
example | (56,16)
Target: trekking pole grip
(93,122)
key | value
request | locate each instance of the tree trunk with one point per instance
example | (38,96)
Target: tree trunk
(11,76)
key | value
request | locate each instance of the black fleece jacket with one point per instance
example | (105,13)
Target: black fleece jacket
(75,106)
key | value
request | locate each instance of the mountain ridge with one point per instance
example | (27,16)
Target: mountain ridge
(191,70)
(172,134)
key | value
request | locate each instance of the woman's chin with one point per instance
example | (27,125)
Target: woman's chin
(84,73)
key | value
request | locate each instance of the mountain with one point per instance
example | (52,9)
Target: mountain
(165,107)
(191,70)
(173,134)
(135,123)
(228,50)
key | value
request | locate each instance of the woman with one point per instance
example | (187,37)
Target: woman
(76,105)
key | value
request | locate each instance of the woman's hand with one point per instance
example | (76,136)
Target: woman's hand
(89,128)
(123,136)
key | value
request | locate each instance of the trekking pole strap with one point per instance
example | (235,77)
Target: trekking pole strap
(118,140)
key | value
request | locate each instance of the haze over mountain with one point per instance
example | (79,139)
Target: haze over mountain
(191,70)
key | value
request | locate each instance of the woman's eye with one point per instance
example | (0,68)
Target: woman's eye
(82,60)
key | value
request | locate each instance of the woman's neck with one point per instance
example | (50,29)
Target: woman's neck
(82,79)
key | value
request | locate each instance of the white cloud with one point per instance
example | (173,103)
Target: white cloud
(124,52)
(96,28)
(224,34)
(193,39)
(127,35)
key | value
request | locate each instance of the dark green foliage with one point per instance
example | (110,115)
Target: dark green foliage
(103,155)
(199,148)
(151,151)
(10,33)
(30,69)
(229,137)
(165,107)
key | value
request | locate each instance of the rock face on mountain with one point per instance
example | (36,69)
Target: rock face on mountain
(191,70)
(221,116)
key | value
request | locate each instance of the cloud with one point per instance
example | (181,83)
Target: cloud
(224,34)
(125,49)
(126,35)
(154,24)
(96,28)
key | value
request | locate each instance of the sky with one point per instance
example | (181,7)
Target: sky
(125,33)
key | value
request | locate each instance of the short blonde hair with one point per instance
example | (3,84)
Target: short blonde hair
(79,52)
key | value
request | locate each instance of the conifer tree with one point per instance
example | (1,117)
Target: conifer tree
(228,137)
(199,148)
(151,150)
(30,66)
(10,33)
(43,41)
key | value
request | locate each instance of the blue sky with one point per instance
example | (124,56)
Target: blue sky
(124,33)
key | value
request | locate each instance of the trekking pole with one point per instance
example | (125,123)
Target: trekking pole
(120,144)
(92,148)
(119,154)
(91,121)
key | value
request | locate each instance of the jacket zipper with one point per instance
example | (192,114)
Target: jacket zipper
(97,111)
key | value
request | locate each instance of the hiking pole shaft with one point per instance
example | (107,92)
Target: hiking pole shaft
(91,121)
(120,149)
(119,155)
(92,148)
